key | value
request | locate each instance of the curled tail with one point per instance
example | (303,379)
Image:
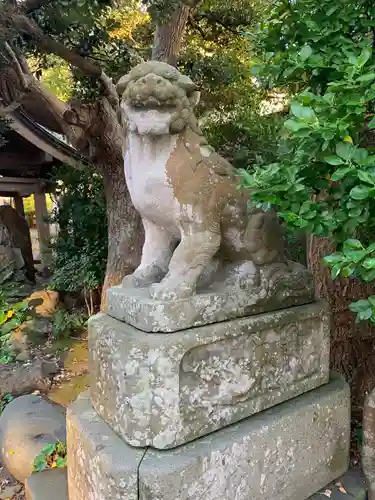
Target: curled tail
(368,450)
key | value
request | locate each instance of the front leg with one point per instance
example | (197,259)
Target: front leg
(196,250)
(156,255)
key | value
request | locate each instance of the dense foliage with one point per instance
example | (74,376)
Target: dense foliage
(81,246)
(322,54)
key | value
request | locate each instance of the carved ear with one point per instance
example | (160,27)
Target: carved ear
(194,98)
(122,84)
(186,83)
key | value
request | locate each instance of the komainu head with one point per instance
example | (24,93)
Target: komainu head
(157,99)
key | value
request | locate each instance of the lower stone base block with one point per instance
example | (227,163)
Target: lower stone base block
(288,452)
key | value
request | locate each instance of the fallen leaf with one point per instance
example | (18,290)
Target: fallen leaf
(11,452)
(341,488)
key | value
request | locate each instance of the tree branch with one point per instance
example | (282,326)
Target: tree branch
(48,45)
(213,18)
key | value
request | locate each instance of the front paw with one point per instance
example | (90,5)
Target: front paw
(169,291)
(143,278)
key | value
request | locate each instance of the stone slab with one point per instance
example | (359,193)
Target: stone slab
(277,289)
(165,390)
(46,485)
(286,453)
(100,465)
(351,486)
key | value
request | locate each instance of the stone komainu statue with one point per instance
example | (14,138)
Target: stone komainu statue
(196,219)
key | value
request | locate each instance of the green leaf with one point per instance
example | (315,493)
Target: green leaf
(335,271)
(348,270)
(344,150)
(305,207)
(371,299)
(360,305)
(40,466)
(340,173)
(368,77)
(366,177)
(360,156)
(61,462)
(294,126)
(356,255)
(334,258)
(305,52)
(370,275)
(369,264)
(49,449)
(364,56)
(364,315)
(360,192)
(303,112)
(333,160)
(371,124)
(352,244)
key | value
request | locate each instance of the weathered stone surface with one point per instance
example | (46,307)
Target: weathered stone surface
(27,425)
(7,260)
(193,209)
(285,453)
(9,492)
(220,302)
(165,390)
(351,486)
(47,485)
(100,465)
(18,379)
(19,238)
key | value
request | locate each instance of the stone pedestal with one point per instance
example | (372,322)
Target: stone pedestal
(279,287)
(165,390)
(286,453)
(237,410)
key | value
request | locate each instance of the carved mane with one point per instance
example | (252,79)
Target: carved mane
(183,87)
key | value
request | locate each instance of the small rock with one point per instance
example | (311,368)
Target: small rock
(23,356)
(10,491)
(27,425)
(49,301)
(20,379)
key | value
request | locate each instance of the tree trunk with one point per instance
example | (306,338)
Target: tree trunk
(125,230)
(169,35)
(99,135)
(352,343)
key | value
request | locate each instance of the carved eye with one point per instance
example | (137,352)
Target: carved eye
(159,81)
(143,80)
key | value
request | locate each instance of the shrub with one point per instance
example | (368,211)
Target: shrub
(80,250)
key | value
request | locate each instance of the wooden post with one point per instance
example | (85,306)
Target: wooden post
(18,203)
(42,225)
